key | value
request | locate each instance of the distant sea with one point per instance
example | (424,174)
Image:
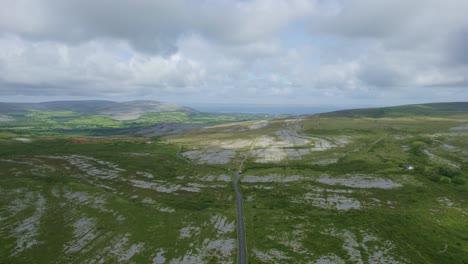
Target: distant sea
(262,109)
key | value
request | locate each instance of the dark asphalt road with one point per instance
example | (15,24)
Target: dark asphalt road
(242,256)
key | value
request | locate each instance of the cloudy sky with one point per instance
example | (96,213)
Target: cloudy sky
(317,52)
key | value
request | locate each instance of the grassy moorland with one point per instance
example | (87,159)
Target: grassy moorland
(75,200)
(357,201)
(45,122)
(321,189)
(349,189)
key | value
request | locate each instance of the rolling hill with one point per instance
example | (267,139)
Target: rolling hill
(108,118)
(430,109)
(115,110)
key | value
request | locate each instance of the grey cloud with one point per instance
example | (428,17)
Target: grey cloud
(94,68)
(409,43)
(365,18)
(381,19)
(380,75)
(229,49)
(21,89)
(150,26)
(457,48)
(397,25)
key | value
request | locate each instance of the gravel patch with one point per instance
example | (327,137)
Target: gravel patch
(193,187)
(91,166)
(268,141)
(289,144)
(222,249)
(270,154)
(331,201)
(325,162)
(189,231)
(190,258)
(77,197)
(350,244)
(17,162)
(123,251)
(97,202)
(367,249)
(145,174)
(327,190)
(222,225)
(117,250)
(270,256)
(20,204)
(82,234)
(166,210)
(272,178)
(330,259)
(210,156)
(445,201)
(321,144)
(165,187)
(360,181)
(159,258)
(159,187)
(261,187)
(148,201)
(290,239)
(27,231)
(213,178)
(295,153)
(219,247)
(291,138)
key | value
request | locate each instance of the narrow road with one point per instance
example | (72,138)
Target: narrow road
(242,255)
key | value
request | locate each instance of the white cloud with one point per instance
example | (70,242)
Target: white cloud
(150,25)
(93,68)
(264,50)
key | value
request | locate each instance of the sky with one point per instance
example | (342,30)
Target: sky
(308,52)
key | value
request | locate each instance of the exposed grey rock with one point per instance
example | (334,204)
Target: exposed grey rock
(360,181)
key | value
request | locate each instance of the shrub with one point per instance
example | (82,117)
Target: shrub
(434,178)
(449,172)
(445,180)
(459,180)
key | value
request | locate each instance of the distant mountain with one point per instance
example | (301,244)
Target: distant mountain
(430,109)
(116,110)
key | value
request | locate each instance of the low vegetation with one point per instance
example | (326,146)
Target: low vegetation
(319,189)
(48,122)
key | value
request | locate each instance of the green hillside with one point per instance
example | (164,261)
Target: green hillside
(431,109)
(104,117)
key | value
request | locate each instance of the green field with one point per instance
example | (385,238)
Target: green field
(46,122)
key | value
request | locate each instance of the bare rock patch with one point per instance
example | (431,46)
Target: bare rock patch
(360,181)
